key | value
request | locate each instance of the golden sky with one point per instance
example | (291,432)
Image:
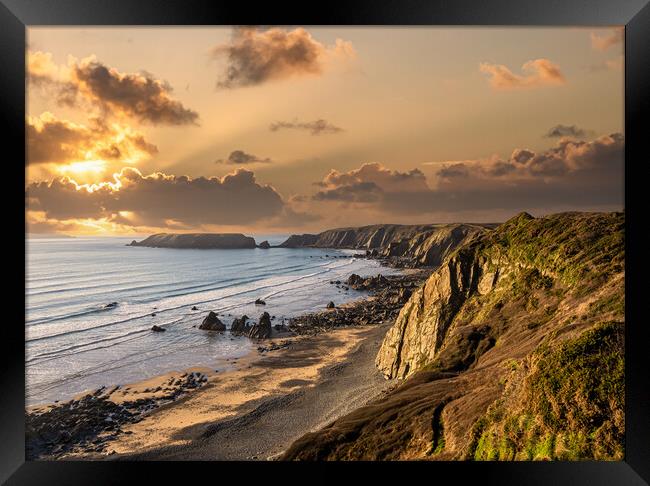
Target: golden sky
(291,129)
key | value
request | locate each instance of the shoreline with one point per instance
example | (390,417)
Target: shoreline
(169,409)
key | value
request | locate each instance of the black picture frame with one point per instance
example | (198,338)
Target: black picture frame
(16,15)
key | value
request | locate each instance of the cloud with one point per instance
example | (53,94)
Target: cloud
(316,127)
(37,224)
(363,192)
(539,72)
(604,42)
(615,64)
(51,140)
(572,174)
(368,183)
(522,155)
(158,199)
(254,56)
(240,157)
(139,96)
(568,156)
(559,131)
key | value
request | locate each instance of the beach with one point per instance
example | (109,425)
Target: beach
(246,408)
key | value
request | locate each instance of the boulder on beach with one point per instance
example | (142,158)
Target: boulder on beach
(262,329)
(212,323)
(240,326)
(354,280)
(330,305)
(158,329)
(370,283)
(264,245)
(260,302)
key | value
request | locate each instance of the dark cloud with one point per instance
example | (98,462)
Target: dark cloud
(254,56)
(453,170)
(240,157)
(50,140)
(559,131)
(568,156)
(90,83)
(573,174)
(156,199)
(522,155)
(140,96)
(316,127)
(363,192)
(367,183)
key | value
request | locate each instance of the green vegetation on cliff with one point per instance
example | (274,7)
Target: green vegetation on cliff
(512,350)
(571,404)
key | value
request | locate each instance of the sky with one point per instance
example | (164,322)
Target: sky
(299,129)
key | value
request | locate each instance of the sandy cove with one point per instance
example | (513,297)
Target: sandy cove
(258,409)
(317,369)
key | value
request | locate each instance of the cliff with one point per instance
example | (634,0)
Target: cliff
(197,241)
(410,245)
(512,350)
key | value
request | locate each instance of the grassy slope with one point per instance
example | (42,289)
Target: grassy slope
(531,370)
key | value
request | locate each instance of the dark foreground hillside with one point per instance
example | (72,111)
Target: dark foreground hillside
(512,350)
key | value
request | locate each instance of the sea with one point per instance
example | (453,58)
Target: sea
(76,343)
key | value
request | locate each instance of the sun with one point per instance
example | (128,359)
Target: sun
(83,167)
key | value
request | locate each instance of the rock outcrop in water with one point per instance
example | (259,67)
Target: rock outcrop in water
(212,323)
(261,329)
(406,245)
(512,350)
(200,241)
(240,326)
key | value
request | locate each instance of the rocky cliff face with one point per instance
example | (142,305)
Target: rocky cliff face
(512,349)
(410,245)
(197,241)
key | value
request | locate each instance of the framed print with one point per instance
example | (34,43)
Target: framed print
(395,235)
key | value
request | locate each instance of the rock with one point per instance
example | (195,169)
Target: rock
(212,323)
(153,314)
(330,305)
(195,308)
(262,329)
(260,302)
(375,282)
(264,245)
(240,326)
(354,280)
(158,329)
(402,296)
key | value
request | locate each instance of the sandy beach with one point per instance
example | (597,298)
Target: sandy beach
(258,409)
(309,373)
